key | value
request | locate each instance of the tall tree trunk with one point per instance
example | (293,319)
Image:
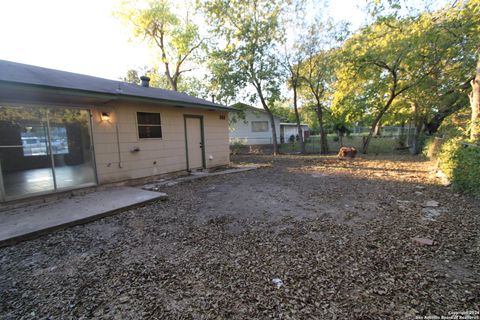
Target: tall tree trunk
(475,105)
(416,144)
(323,136)
(378,130)
(432,126)
(418,126)
(366,142)
(272,118)
(377,119)
(297,119)
(402,137)
(274,132)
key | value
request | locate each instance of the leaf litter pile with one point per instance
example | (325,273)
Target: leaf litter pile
(306,237)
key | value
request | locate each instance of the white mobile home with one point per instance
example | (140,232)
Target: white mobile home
(287,130)
(252,126)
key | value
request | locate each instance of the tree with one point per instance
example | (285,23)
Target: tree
(475,105)
(341,129)
(318,68)
(451,37)
(249,31)
(178,40)
(132,76)
(383,61)
(435,70)
(189,85)
(292,64)
(281,108)
(454,34)
(292,59)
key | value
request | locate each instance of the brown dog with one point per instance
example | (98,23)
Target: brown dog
(347,152)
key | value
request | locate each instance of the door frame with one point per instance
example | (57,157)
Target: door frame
(202,137)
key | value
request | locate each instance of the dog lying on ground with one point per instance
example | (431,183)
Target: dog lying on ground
(345,152)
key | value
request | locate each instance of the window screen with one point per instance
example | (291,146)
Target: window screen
(259,126)
(149,125)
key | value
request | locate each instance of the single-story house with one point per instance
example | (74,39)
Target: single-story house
(61,131)
(252,126)
(290,129)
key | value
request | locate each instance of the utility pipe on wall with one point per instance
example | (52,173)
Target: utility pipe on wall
(118,146)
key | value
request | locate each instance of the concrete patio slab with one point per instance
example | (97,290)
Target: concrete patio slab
(31,221)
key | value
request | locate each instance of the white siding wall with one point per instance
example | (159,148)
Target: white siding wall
(292,130)
(242,129)
(156,156)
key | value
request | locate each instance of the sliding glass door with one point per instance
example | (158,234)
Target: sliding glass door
(24,151)
(71,147)
(43,149)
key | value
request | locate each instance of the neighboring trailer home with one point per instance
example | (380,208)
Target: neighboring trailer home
(252,126)
(61,131)
(290,129)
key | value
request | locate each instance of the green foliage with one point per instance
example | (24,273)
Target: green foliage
(237,146)
(177,39)
(132,76)
(427,147)
(282,110)
(189,85)
(341,128)
(424,58)
(247,32)
(461,164)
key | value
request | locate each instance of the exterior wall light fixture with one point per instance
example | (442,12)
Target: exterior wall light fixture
(105,116)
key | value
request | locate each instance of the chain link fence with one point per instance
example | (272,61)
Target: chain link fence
(390,139)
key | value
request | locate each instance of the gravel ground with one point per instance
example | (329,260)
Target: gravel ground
(337,233)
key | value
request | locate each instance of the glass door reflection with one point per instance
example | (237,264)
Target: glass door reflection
(25,161)
(43,149)
(69,133)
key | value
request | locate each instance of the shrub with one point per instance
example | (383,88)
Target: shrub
(427,147)
(461,164)
(237,145)
(432,147)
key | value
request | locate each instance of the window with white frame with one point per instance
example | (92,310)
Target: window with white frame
(149,125)
(259,126)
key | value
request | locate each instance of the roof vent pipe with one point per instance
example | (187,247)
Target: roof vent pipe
(145,81)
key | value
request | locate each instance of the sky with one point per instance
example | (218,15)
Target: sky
(83,36)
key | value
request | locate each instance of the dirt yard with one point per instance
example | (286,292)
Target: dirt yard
(338,234)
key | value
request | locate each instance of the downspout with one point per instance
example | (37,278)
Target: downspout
(119,91)
(117,135)
(118,146)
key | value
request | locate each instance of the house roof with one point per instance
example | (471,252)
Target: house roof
(292,124)
(14,75)
(245,107)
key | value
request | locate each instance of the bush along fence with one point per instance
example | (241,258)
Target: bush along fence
(458,160)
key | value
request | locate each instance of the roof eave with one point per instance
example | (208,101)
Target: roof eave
(110,96)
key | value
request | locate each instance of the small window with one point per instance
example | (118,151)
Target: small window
(149,125)
(259,126)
